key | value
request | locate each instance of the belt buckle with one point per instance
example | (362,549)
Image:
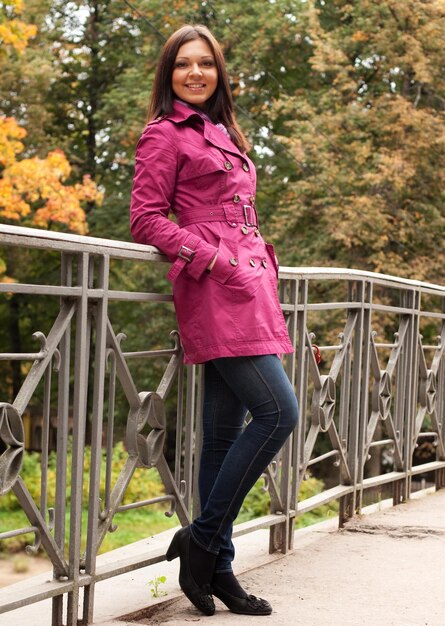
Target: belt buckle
(186,253)
(246,219)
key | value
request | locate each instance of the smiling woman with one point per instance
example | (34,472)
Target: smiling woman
(192,161)
(195,76)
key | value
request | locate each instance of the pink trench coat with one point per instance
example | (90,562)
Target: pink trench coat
(188,166)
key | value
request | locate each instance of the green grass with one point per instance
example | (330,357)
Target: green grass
(138,524)
(257,500)
(135,524)
(132,526)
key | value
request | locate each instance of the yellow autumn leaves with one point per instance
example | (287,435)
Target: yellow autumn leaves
(35,188)
(34,191)
(14,32)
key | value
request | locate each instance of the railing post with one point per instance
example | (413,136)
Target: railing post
(410,361)
(190,442)
(63,401)
(281,535)
(101,316)
(301,297)
(440,407)
(348,503)
(83,332)
(195,453)
(364,396)
(288,484)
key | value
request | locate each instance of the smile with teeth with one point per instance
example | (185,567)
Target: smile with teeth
(196,86)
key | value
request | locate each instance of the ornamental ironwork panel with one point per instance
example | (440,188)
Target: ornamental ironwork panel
(368,371)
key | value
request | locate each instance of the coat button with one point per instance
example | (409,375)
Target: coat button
(233,224)
(252,199)
(244,230)
(257,232)
(245,167)
(252,262)
(228,165)
(233,261)
(236,198)
(264,263)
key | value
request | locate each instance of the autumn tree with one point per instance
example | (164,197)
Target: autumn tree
(25,77)
(342,101)
(14,32)
(367,134)
(97,105)
(104,55)
(33,191)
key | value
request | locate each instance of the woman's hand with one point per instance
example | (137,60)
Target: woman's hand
(212,263)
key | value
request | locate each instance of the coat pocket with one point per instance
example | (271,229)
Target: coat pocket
(198,161)
(236,269)
(226,261)
(272,256)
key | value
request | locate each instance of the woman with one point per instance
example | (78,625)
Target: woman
(191,161)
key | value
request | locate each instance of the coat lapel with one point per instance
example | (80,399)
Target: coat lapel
(218,139)
(212,134)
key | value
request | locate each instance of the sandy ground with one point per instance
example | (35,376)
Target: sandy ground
(31,564)
(386,569)
(350,580)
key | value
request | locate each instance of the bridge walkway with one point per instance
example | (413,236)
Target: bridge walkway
(385,568)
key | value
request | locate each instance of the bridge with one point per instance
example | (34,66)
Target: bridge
(385,567)
(377,394)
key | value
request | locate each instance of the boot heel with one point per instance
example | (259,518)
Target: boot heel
(173,549)
(198,594)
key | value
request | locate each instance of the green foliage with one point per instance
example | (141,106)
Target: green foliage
(31,475)
(367,133)
(132,525)
(311,487)
(13,520)
(137,524)
(347,129)
(145,483)
(257,503)
(155,584)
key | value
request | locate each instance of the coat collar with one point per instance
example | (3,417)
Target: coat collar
(181,113)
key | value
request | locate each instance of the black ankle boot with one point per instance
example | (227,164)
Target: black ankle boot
(226,587)
(196,570)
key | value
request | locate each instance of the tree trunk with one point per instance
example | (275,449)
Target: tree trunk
(92,38)
(15,342)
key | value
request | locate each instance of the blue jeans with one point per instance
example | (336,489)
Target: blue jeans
(233,457)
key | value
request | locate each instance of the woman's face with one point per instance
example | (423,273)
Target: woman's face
(195,75)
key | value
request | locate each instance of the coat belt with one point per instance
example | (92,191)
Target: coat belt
(230,213)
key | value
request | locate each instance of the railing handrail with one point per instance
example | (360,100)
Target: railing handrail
(38,238)
(377,278)
(65,242)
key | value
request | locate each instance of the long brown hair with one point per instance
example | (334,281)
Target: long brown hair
(219,106)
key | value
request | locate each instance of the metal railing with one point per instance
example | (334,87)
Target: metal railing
(377,393)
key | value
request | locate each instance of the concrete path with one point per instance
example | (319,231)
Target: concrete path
(386,568)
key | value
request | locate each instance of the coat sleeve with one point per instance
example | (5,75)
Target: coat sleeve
(151,201)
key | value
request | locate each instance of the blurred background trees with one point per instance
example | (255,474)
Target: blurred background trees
(343,102)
